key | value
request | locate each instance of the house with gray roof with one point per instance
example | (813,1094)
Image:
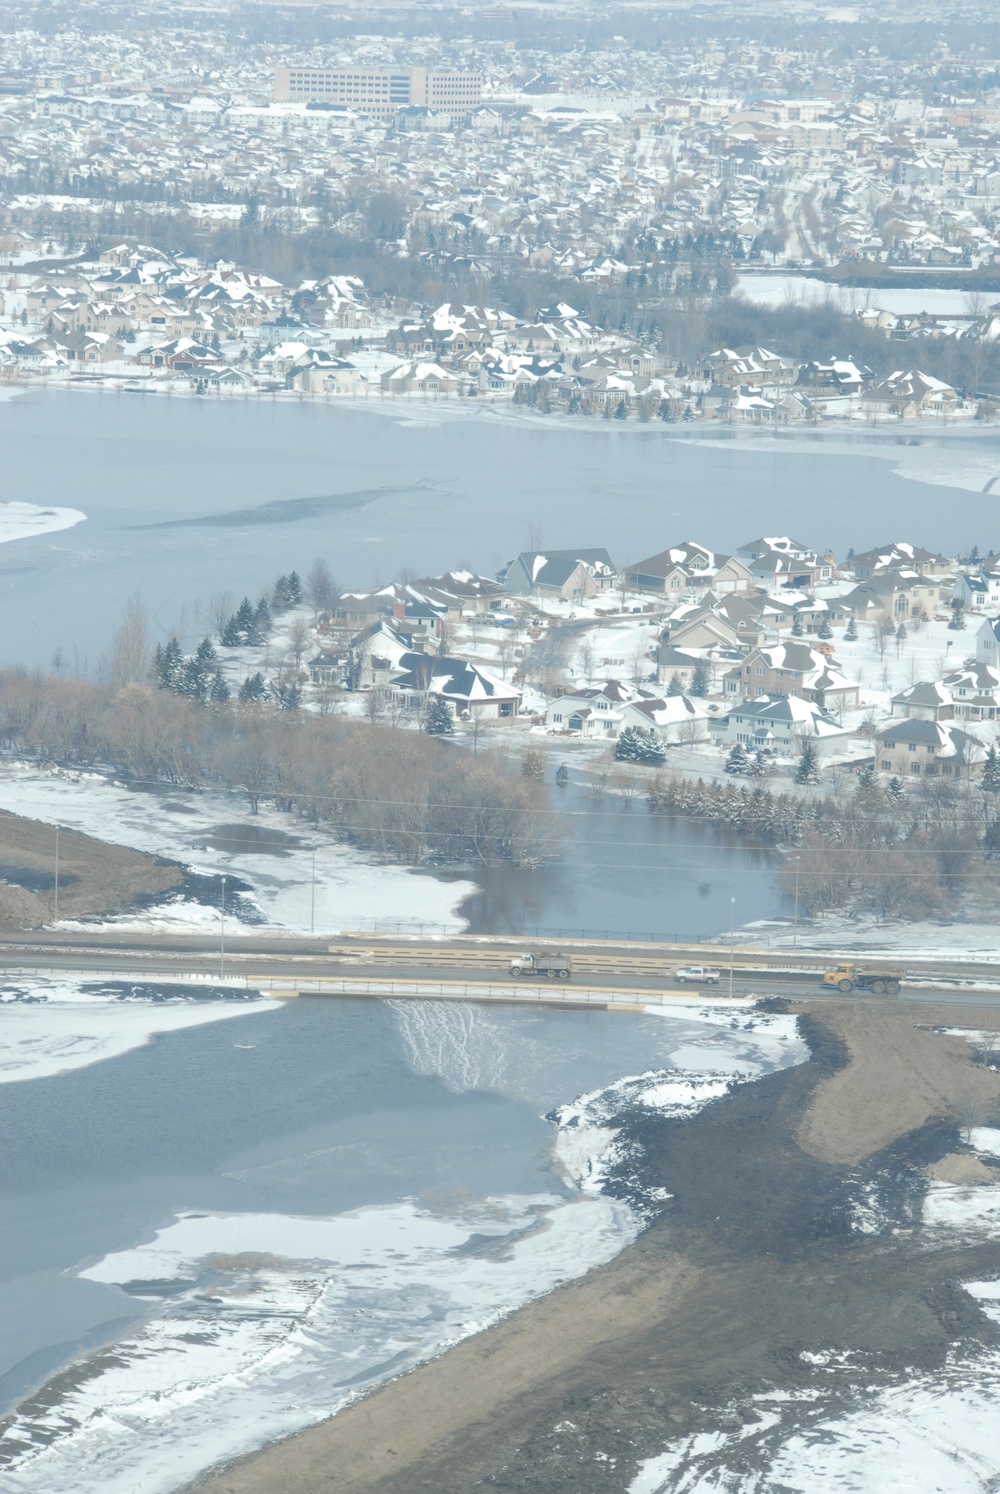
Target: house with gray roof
(572,575)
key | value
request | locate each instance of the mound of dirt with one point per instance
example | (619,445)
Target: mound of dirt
(20,909)
(959,1167)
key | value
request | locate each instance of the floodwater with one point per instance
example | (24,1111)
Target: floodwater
(186,498)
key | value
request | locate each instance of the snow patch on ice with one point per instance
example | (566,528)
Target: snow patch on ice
(266,1324)
(24,520)
(54,1026)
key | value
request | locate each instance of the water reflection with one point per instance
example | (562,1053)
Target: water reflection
(628,872)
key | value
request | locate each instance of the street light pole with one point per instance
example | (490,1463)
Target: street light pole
(795,926)
(55,888)
(312,905)
(222,933)
(732,941)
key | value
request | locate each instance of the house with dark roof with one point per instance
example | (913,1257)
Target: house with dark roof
(572,575)
(779,724)
(928,748)
(792,669)
(927,700)
(472,692)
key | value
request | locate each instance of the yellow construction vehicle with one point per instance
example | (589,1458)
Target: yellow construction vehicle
(882,980)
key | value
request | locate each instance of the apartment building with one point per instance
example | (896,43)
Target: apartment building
(379,92)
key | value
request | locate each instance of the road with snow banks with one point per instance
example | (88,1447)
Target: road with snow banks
(470,967)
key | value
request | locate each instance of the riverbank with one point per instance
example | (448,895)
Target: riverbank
(792,1235)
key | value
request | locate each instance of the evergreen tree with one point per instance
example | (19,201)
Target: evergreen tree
(243,622)
(621,413)
(957,624)
(294,589)
(700,679)
(253,689)
(279,595)
(991,772)
(288,695)
(676,685)
(168,662)
(797,628)
(562,775)
(438,720)
(205,653)
(824,631)
(894,790)
(851,632)
(738,763)
(639,744)
(262,622)
(219,692)
(193,681)
(230,636)
(808,765)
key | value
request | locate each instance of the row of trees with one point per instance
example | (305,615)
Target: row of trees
(402,795)
(874,849)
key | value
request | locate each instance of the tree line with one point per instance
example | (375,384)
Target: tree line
(873,849)
(405,796)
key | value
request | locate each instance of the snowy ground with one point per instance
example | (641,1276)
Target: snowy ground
(348,892)
(804,290)
(22,520)
(51,1026)
(932,1434)
(260,1324)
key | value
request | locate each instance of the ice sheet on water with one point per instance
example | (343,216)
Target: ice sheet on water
(266,1323)
(23,520)
(51,1026)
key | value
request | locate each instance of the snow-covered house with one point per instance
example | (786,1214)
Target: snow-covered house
(472,692)
(908,394)
(927,748)
(593,712)
(792,669)
(988,641)
(981,590)
(927,700)
(572,575)
(975,692)
(689,567)
(779,724)
(674,718)
(777,560)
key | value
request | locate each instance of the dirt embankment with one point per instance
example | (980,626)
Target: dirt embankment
(755,1260)
(94,877)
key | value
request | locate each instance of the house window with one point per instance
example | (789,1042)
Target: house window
(760,671)
(911,747)
(915,768)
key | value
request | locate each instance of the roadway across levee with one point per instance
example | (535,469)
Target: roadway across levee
(268,957)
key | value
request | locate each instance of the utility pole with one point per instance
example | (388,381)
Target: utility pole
(732,941)
(55,885)
(795,926)
(222,933)
(312,906)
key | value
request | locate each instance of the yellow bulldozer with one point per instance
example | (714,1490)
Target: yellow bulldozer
(882,980)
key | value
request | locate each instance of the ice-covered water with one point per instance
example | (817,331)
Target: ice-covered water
(348,1189)
(425,487)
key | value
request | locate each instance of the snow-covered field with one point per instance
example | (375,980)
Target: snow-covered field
(23,520)
(51,1026)
(349,890)
(804,290)
(260,1324)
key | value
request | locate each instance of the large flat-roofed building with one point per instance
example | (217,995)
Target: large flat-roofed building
(380,91)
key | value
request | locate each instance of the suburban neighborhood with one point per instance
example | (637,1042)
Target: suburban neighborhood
(885,662)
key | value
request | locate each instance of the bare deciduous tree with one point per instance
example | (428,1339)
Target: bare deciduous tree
(127,658)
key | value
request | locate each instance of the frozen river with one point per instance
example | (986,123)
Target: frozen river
(186,497)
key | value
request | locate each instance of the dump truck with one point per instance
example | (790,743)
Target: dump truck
(883,980)
(543,962)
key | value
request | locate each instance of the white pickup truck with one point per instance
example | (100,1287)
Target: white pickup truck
(698,975)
